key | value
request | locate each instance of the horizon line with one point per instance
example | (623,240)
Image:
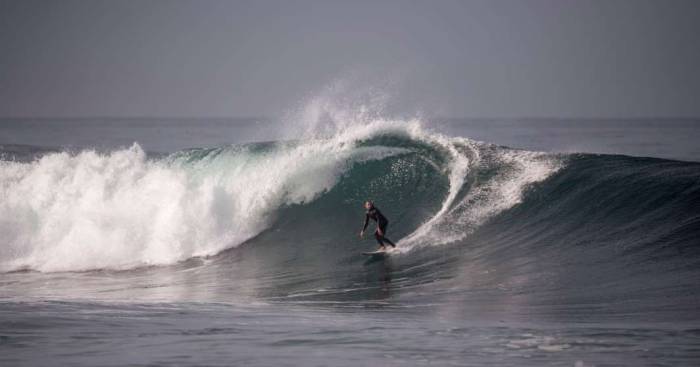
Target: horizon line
(270,118)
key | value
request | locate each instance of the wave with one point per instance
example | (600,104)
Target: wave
(123,209)
(90,210)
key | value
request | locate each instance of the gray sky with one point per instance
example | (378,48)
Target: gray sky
(527,58)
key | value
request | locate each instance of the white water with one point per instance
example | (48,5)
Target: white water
(121,210)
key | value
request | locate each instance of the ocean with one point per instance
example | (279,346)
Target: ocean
(234,242)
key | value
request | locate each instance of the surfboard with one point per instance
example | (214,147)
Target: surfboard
(376,253)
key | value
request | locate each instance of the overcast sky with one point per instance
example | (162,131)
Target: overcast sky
(522,58)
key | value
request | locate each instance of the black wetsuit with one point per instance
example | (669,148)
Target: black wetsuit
(374,214)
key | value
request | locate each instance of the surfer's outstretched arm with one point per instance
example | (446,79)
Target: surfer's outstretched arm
(362,232)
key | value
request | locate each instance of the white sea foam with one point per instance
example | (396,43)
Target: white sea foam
(119,210)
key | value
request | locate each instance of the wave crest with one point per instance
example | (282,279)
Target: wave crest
(68,212)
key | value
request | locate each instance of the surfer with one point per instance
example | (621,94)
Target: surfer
(374,214)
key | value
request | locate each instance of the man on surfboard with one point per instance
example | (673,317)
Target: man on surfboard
(374,214)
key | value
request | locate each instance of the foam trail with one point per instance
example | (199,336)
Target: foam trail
(457,218)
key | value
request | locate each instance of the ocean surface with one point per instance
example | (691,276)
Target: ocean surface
(225,242)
